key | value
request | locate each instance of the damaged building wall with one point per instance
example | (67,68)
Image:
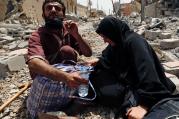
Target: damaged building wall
(128,8)
(169,7)
(32,8)
(82,10)
(6,7)
(71,6)
(3,9)
(162,8)
(151,10)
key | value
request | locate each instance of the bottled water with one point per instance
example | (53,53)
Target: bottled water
(83,88)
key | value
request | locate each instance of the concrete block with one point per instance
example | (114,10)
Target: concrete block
(19,52)
(172,67)
(169,43)
(150,10)
(152,35)
(16,63)
(23,44)
(15,26)
(165,35)
(3,30)
(8,39)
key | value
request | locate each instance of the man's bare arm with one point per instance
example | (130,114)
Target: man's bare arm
(41,67)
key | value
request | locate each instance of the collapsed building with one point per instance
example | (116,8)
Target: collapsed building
(169,7)
(30,8)
(153,8)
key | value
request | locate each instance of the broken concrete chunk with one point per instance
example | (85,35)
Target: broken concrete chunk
(169,43)
(16,63)
(172,67)
(165,35)
(152,35)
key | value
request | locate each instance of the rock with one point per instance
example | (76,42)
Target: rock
(3,30)
(165,35)
(169,43)
(23,44)
(152,35)
(6,117)
(16,63)
(19,52)
(8,39)
(172,67)
(14,26)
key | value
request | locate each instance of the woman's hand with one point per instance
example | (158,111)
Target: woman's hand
(136,112)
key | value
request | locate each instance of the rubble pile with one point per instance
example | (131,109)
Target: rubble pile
(169,7)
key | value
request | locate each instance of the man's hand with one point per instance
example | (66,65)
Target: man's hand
(136,112)
(83,45)
(74,80)
(72,28)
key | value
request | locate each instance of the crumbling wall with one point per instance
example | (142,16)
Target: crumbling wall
(7,8)
(169,7)
(82,10)
(33,9)
(71,6)
(3,9)
(151,10)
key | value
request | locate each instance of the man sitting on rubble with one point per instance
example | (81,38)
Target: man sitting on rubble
(55,42)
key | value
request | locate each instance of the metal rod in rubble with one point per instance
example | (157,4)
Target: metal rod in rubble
(142,10)
(114,10)
(119,10)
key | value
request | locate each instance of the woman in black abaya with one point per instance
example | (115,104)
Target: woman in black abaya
(129,75)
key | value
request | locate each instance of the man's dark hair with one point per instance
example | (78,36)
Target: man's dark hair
(59,1)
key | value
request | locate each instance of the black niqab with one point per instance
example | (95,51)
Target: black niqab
(113,28)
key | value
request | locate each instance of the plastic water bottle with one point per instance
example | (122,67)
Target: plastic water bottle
(83,88)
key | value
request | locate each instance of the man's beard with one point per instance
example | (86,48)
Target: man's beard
(55,23)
